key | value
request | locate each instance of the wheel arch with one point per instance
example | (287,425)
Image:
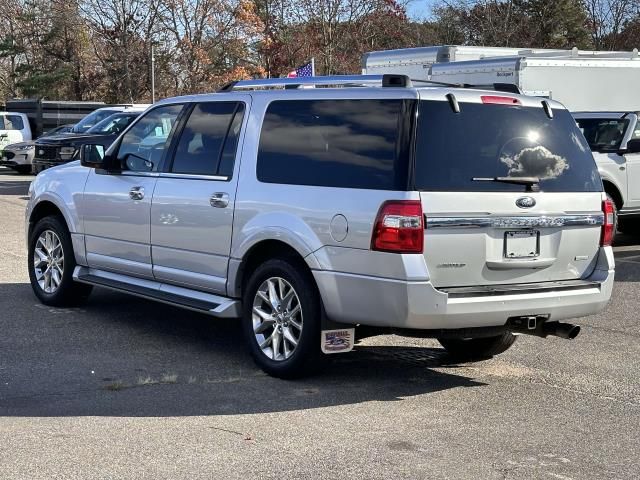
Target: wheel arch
(612,190)
(240,269)
(48,207)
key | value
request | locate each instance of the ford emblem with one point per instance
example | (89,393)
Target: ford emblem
(526,202)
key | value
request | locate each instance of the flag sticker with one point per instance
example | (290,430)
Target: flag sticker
(337,341)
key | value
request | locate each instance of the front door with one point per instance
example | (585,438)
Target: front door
(116,207)
(193,203)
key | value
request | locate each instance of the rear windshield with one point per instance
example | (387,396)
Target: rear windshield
(486,141)
(603,134)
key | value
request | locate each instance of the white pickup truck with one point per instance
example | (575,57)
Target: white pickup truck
(614,138)
(14,128)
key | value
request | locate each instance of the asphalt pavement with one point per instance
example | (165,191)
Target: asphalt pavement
(126,388)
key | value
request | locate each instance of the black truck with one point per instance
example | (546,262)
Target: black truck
(58,149)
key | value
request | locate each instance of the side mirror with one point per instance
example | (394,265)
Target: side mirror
(633,146)
(92,156)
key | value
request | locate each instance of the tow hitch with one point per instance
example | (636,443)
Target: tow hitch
(540,326)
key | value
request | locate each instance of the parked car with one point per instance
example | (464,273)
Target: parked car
(459,214)
(614,139)
(19,156)
(62,148)
(14,128)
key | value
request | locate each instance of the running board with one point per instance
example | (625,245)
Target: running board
(208,303)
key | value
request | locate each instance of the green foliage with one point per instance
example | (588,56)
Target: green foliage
(554,24)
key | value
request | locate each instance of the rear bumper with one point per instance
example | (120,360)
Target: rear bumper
(366,300)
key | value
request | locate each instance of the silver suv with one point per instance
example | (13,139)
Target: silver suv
(321,215)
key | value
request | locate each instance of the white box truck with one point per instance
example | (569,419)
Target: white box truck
(581,83)
(416,62)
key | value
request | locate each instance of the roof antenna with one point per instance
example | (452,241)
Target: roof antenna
(547,108)
(453,102)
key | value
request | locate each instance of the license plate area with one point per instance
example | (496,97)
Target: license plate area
(522,244)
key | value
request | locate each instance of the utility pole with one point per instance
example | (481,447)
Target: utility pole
(153,75)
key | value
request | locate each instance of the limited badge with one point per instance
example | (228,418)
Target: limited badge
(337,341)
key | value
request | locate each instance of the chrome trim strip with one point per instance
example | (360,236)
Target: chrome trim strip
(629,211)
(188,176)
(519,288)
(538,221)
(133,173)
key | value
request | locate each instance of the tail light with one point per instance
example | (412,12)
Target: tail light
(499,100)
(399,227)
(609,225)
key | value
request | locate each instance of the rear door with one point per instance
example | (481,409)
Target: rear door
(633,165)
(484,232)
(193,202)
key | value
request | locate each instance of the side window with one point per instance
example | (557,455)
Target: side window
(336,143)
(142,147)
(209,139)
(231,144)
(13,122)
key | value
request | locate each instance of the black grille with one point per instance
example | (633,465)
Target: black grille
(7,155)
(46,153)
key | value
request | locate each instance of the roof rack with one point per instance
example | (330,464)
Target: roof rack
(386,80)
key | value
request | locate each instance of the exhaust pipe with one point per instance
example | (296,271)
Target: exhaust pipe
(562,330)
(541,327)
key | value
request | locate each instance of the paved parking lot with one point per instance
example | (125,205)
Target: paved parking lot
(125,388)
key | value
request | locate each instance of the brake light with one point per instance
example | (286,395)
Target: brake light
(498,100)
(609,225)
(399,227)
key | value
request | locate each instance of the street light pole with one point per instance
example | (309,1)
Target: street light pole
(153,76)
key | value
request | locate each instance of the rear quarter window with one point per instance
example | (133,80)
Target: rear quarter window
(336,143)
(500,141)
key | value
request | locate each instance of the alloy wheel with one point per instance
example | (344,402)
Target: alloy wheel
(48,261)
(277,318)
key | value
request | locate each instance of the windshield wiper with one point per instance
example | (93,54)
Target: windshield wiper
(532,183)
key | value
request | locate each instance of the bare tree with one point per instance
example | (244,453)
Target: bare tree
(123,31)
(607,19)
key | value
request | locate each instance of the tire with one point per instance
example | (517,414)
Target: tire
(478,348)
(279,356)
(55,289)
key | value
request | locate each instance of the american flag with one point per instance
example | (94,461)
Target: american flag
(305,70)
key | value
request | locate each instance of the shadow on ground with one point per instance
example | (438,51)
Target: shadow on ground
(123,356)
(12,183)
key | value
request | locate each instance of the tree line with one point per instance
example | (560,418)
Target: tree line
(102,49)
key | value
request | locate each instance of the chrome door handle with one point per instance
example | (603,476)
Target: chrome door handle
(219,200)
(136,193)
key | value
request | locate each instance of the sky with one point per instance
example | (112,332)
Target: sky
(419,8)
